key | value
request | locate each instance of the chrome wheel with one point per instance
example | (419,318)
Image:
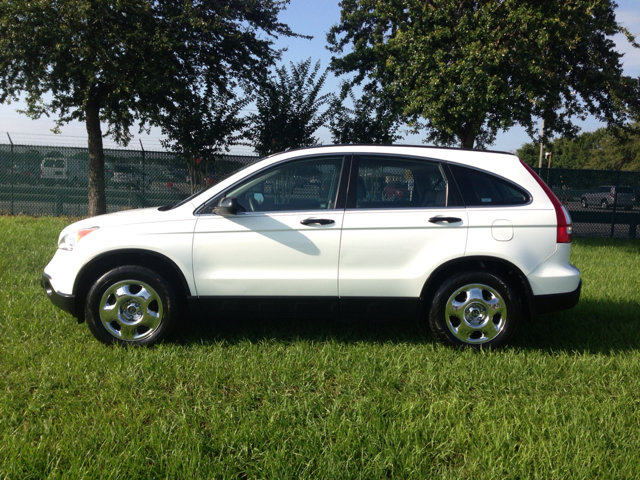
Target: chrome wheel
(475,313)
(130,310)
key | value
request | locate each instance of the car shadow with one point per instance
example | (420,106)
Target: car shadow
(602,327)
(290,329)
(594,327)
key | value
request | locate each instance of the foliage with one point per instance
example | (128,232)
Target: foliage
(122,62)
(371,120)
(289,108)
(201,128)
(314,399)
(604,149)
(474,67)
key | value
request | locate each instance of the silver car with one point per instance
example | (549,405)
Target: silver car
(605,195)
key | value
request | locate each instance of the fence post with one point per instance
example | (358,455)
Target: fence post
(144,177)
(12,172)
(615,203)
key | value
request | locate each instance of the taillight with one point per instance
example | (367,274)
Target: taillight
(564,229)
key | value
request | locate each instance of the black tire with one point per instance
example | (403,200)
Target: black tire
(475,309)
(131,306)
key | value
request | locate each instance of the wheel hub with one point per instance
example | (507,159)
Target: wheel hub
(131,311)
(475,314)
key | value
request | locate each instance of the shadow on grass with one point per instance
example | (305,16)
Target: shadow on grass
(602,326)
(591,327)
(289,330)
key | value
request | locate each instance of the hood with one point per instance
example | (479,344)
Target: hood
(132,217)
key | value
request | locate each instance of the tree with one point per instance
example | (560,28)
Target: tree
(201,127)
(124,62)
(371,120)
(289,109)
(604,149)
(474,67)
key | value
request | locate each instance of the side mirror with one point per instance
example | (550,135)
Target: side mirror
(227,206)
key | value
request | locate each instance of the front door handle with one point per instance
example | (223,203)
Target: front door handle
(444,220)
(319,221)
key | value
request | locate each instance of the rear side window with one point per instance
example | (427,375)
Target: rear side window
(481,188)
(386,182)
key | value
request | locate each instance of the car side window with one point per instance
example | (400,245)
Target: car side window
(481,188)
(397,182)
(310,184)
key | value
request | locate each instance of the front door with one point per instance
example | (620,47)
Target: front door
(282,247)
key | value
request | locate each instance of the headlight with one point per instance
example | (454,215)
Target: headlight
(70,240)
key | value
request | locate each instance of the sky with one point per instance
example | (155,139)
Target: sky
(308,17)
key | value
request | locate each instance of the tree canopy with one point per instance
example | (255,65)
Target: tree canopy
(471,68)
(290,109)
(370,120)
(201,128)
(603,149)
(125,62)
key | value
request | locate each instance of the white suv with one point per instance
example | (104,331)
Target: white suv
(472,242)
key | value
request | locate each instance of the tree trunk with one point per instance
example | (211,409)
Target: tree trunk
(467,135)
(97,199)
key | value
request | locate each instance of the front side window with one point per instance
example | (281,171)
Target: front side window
(310,184)
(396,182)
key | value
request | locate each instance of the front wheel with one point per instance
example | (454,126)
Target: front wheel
(131,305)
(474,309)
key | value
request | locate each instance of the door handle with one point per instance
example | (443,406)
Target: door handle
(319,221)
(444,220)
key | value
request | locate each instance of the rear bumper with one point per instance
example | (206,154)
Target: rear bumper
(60,300)
(557,301)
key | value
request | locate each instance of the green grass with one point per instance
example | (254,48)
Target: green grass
(285,399)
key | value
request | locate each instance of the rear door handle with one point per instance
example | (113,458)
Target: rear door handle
(319,221)
(444,220)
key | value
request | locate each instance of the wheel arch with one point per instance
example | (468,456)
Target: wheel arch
(503,268)
(107,261)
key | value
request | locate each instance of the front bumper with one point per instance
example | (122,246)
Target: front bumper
(60,300)
(557,301)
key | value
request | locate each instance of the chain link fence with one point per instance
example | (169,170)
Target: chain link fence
(602,203)
(45,180)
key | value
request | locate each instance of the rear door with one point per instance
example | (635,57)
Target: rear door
(401,222)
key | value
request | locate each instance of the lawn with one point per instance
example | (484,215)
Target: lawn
(295,399)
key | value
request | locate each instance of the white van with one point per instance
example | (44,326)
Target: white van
(58,168)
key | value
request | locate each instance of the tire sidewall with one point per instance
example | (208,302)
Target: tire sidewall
(142,274)
(437,320)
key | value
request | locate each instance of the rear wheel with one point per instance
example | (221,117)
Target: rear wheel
(131,305)
(474,309)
